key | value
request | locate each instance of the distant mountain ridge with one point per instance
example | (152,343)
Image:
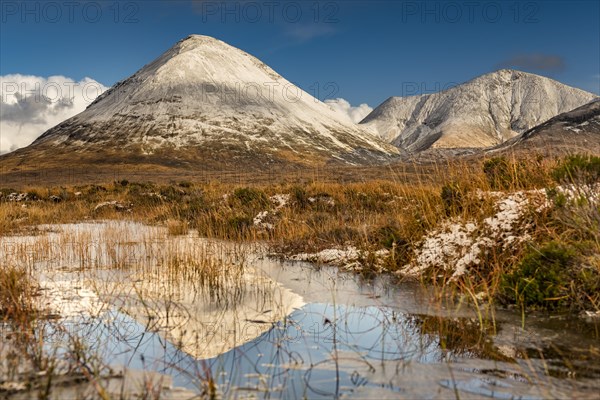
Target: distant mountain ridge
(483,112)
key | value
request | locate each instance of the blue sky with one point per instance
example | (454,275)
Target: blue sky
(370,50)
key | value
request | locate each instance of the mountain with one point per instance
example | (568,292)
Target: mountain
(206,102)
(575,131)
(483,112)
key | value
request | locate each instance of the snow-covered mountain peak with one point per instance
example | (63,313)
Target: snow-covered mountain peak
(482,112)
(204,92)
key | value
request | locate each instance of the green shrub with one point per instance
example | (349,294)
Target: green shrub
(249,197)
(588,287)
(577,169)
(452,197)
(499,173)
(542,278)
(240,223)
(191,210)
(299,197)
(34,194)
(172,193)
(558,198)
(389,236)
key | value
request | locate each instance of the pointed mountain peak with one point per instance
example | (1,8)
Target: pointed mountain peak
(205,99)
(199,41)
(506,71)
(196,37)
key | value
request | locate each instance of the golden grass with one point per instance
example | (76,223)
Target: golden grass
(17,290)
(393,212)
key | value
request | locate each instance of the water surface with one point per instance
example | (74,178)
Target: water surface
(259,327)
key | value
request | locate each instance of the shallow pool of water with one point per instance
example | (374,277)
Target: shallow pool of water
(289,330)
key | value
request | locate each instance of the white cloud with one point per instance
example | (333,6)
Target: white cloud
(30,105)
(356,114)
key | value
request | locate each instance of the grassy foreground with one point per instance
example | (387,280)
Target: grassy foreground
(499,231)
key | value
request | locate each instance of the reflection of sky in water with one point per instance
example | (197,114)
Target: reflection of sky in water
(327,347)
(299,357)
(296,357)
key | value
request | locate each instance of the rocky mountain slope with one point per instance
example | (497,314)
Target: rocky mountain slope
(483,112)
(575,131)
(204,101)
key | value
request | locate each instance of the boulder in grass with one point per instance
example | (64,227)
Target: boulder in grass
(114,205)
(17,197)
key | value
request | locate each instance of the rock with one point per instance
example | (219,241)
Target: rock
(116,205)
(153,195)
(324,199)
(17,197)
(55,199)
